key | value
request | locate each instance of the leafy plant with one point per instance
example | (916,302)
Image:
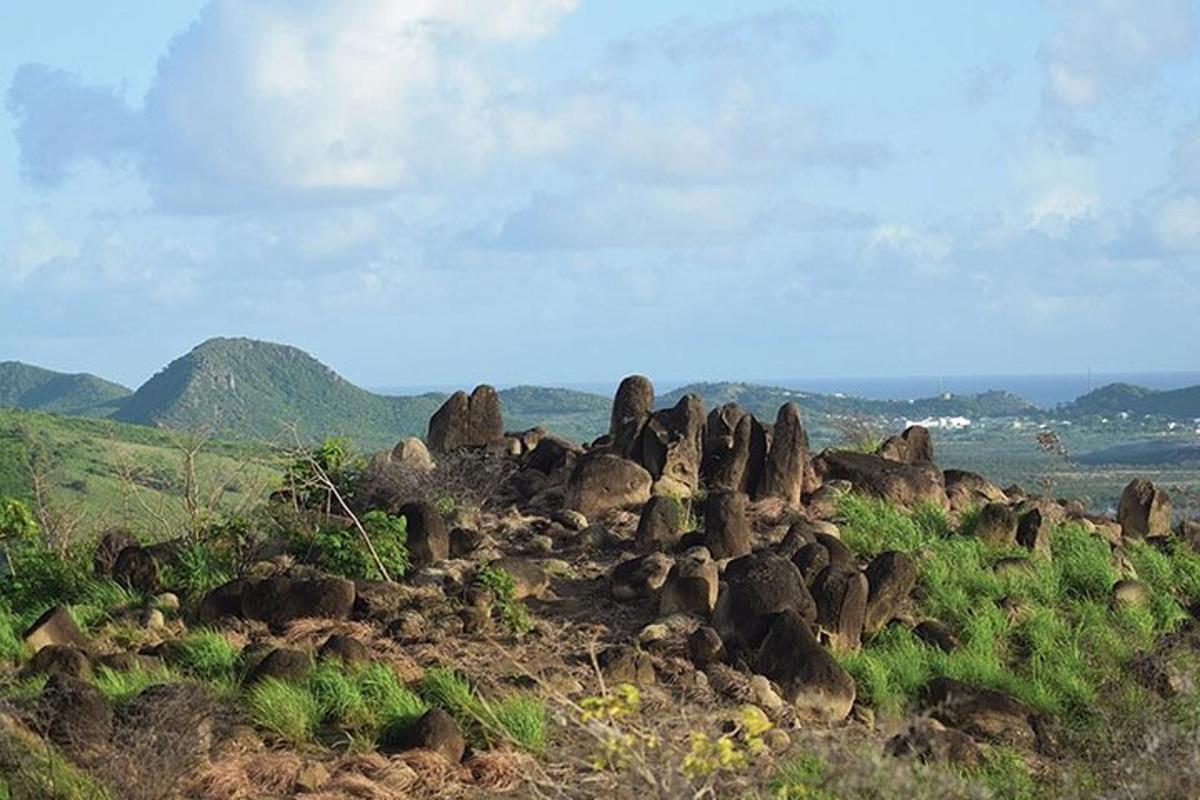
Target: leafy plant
(341,551)
(513,613)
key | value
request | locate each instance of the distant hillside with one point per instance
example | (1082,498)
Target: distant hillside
(250,389)
(576,415)
(1147,453)
(764,402)
(1117,398)
(38,389)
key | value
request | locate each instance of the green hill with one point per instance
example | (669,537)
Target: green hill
(38,389)
(1117,398)
(245,388)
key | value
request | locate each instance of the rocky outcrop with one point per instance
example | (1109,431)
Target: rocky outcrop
(726,529)
(809,677)
(891,577)
(904,484)
(691,586)
(670,445)
(757,588)
(632,406)
(427,539)
(1144,510)
(462,421)
(660,525)
(601,482)
(786,464)
(55,627)
(841,597)
(280,600)
(913,446)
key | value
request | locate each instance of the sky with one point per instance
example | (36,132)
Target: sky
(440,192)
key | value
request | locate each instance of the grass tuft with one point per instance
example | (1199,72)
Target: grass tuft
(287,711)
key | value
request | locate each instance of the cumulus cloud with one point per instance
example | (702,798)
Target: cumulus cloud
(262,101)
(37,244)
(1101,46)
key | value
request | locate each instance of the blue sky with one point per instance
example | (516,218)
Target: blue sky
(445,191)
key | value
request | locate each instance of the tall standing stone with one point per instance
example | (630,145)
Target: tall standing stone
(670,446)
(726,530)
(631,408)
(723,465)
(783,473)
(462,421)
(1145,510)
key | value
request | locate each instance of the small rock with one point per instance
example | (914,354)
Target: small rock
(313,775)
(625,664)
(167,602)
(1130,594)
(152,619)
(764,695)
(570,519)
(346,649)
(640,577)
(283,663)
(437,731)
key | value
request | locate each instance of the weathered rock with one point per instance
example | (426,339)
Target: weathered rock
(183,717)
(811,559)
(552,454)
(632,407)
(912,446)
(930,741)
(60,659)
(135,568)
(937,634)
(54,627)
(756,588)
(726,449)
(76,715)
(640,577)
(691,586)
(1144,510)
(823,503)
(600,483)
(984,714)
(464,541)
(128,662)
(841,597)
(428,541)
(1033,533)
(346,649)
(660,525)
(529,579)
(284,664)
(726,530)
(463,421)
(669,446)
(840,554)
(108,548)
(809,677)
(903,484)
(966,490)
(1130,594)
(280,600)
(412,454)
(891,577)
(997,525)
(705,647)
(437,731)
(625,664)
(784,470)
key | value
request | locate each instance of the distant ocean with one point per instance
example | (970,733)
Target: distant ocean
(1046,391)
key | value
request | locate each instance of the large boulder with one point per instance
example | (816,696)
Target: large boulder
(412,454)
(632,407)
(54,627)
(1144,510)
(660,525)
(891,577)
(552,454)
(997,525)
(984,714)
(462,421)
(136,568)
(282,664)
(967,490)
(60,659)
(692,585)
(428,540)
(808,676)
(108,548)
(724,462)
(726,529)
(783,474)
(841,597)
(903,484)
(280,600)
(640,577)
(913,446)
(603,482)
(670,444)
(756,588)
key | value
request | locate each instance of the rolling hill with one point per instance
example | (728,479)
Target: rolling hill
(35,388)
(1117,398)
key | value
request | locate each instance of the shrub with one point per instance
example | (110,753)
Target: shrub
(200,568)
(513,613)
(286,710)
(342,551)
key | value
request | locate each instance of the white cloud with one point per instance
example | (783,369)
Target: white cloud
(909,242)
(1100,46)
(37,244)
(1177,224)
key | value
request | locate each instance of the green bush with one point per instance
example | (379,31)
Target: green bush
(200,568)
(341,551)
(513,613)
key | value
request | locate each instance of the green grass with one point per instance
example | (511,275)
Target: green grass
(206,654)
(290,712)
(1057,652)
(394,705)
(121,687)
(519,719)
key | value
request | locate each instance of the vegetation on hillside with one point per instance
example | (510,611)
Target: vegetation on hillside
(35,388)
